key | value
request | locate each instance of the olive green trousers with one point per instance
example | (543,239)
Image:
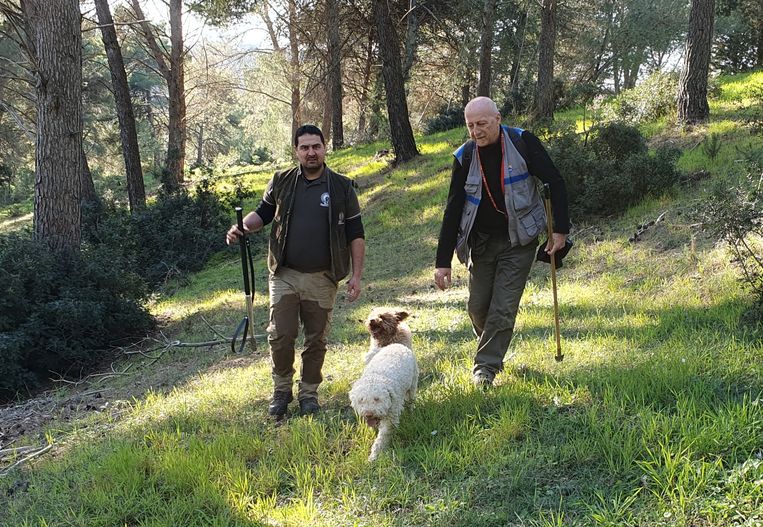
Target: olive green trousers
(497,277)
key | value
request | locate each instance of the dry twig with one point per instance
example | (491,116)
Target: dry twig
(23,460)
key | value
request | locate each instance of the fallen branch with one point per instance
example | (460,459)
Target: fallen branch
(641,229)
(23,460)
(9,452)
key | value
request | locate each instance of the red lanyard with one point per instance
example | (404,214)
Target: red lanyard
(484,179)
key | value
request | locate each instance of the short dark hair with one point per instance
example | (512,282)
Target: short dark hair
(306,129)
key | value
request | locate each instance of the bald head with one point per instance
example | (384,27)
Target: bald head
(483,120)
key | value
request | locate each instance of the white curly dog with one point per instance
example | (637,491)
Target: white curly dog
(390,377)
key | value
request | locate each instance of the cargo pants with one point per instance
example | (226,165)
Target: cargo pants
(295,297)
(497,277)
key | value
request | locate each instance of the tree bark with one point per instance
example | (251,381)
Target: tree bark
(411,33)
(363,103)
(200,146)
(516,60)
(127,131)
(174,76)
(692,85)
(294,74)
(327,112)
(394,85)
(465,94)
(176,89)
(486,48)
(55,39)
(335,74)
(544,93)
(87,185)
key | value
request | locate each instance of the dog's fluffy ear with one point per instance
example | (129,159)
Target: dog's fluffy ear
(373,323)
(401,315)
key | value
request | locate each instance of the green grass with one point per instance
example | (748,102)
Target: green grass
(655,416)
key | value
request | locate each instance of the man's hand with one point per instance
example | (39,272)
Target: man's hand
(233,234)
(442,277)
(252,223)
(353,288)
(556,243)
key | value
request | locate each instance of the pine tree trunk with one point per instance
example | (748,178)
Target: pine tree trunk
(363,104)
(397,105)
(127,131)
(465,95)
(335,74)
(176,88)
(327,112)
(516,59)
(544,94)
(692,85)
(53,32)
(174,76)
(87,185)
(411,32)
(296,114)
(200,146)
(486,48)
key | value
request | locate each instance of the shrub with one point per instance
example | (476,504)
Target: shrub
(613,171)
(617,141)
(650,100)
(177,234)
(711,146)
(62,311)
(732,211)
(575,162)
(446,119)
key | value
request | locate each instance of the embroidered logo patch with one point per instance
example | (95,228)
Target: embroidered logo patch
(325,199)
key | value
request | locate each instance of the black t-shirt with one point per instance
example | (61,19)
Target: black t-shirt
(307,244)
(490,218)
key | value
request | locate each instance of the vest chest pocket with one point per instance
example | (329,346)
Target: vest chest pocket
(523,194)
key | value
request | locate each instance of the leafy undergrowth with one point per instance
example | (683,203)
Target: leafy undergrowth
(655,416)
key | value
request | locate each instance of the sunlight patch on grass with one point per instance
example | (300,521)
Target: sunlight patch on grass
(738,87)
(433,148)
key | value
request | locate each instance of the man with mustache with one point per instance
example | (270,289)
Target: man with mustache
(317,233)
(492,220)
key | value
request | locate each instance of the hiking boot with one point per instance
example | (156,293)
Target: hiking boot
(309,406)
(280,403)
(482,379)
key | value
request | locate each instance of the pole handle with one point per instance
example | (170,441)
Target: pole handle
(242,243)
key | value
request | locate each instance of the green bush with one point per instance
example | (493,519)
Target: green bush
(654,98)
(613,171)
(617,141)
(732,211)
(62,312)
(175,235)
(446,119)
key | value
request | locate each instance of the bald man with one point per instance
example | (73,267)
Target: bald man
(492,220)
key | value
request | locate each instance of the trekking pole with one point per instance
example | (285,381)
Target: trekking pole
(550,228)
(248,270)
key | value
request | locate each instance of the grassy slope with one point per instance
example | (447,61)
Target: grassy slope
(655,417)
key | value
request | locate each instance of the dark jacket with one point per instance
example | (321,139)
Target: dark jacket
(282,191)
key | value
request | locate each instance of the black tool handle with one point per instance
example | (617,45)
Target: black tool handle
(242,244)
